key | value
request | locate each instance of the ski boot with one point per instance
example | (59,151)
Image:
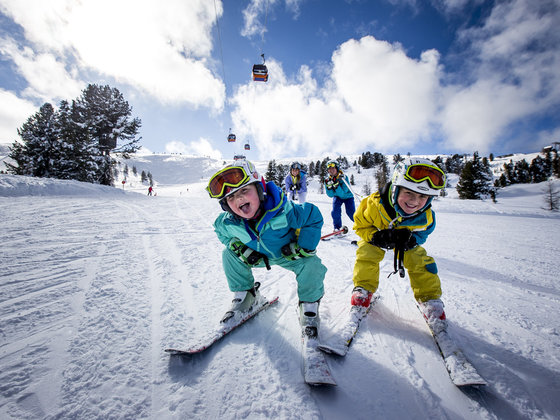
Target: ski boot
(243,302)
(361,297)
(309,318)
(435,315)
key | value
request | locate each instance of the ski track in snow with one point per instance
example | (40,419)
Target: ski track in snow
(94,288)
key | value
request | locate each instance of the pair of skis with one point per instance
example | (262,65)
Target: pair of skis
(460,370)
(316,370)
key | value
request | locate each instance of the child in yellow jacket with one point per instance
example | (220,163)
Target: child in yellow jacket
(400,217)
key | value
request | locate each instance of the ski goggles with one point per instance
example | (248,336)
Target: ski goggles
(331,165)
(222,182)
(296,166)
(420,173)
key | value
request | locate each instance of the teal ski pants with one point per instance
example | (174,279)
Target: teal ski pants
(310,273)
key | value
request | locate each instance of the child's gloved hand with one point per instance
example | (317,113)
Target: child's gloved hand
(384,238)
(394,238)
(293,187)
(404,239)
(293,251)
(331,185)
(249,256)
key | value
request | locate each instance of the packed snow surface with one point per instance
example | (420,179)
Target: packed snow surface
(97,281)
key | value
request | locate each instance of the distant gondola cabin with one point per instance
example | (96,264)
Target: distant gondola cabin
(231,138)
(260,73)
(247,147)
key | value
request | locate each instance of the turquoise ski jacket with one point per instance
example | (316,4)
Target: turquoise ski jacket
(340,188)
(281,223)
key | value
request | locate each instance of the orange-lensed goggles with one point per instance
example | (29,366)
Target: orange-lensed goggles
(421,173)
(232,177)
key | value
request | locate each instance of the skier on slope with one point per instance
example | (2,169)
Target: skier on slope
(296,183)
(338,188)
(400,217)
(259,228)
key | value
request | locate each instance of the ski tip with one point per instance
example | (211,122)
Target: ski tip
(321,383)
(471,384)
(177,352)
(335,351)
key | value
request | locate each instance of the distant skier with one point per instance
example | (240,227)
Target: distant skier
(150,190)
(260,228)
(296,183)
(400,217)
(338,188)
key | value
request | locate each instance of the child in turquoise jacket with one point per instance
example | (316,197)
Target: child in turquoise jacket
(261,228)
(338,188)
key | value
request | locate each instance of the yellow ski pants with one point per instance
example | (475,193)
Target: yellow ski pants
(422,270)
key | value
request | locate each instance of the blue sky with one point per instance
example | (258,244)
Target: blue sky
(345,76)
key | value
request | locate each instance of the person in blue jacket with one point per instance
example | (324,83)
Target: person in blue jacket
(296,183)
(260,227)
(338,188)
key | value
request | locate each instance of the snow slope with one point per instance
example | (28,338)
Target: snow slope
(96,282)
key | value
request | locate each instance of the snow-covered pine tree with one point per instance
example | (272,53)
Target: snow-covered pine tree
(271,172)
(38,153)
(454,164)
(475,181)
(107,116)
(540,169)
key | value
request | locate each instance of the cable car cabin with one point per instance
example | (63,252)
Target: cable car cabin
(260,73)
(231,138)
(247,147)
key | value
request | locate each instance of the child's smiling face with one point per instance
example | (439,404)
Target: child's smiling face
(245,201)
(410,201)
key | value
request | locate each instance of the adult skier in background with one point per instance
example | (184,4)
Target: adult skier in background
(400,217)
(338,188)
(260,227)
(296,183)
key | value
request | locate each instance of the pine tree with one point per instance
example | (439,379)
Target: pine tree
(551,196)
(522,172)
(539,171)
(475,181)
(106,115)
(270,174)
(38,153)
(382,174)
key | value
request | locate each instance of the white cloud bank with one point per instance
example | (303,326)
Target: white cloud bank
(163,51)
(378,97)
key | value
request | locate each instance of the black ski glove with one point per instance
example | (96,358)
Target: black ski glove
(394,238)
(404,239)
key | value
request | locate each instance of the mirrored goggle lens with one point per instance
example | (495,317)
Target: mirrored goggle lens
(331,165)
(420,173)
(230,177)
(296,166)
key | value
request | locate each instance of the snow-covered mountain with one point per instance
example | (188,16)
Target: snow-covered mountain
(97,281)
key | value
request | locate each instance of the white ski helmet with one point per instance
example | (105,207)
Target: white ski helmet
(232,178)
(418,175)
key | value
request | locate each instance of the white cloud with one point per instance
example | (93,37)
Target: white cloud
(258,13)
(515,58)
(13,113)
(48,77)
(201,147)
(162,51)
(376,96)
